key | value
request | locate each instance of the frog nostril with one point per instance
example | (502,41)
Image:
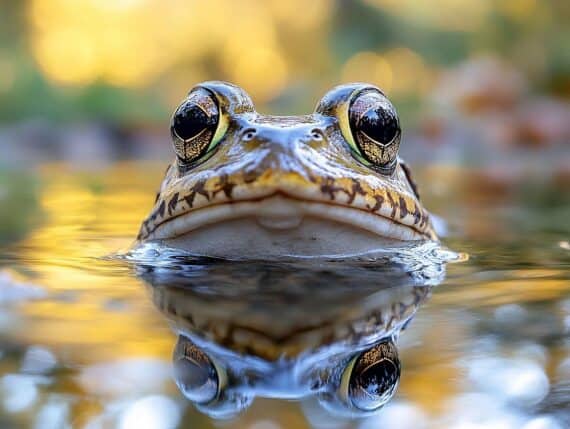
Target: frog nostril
(249,134)
(316,134)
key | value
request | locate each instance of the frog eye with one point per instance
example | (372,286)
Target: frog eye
(375,133)
(197,377)
(196,126)
(370,379)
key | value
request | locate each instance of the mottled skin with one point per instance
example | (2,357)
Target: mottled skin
(300,158)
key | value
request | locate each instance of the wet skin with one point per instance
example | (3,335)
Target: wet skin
(326,183)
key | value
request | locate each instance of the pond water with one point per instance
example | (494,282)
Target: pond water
(87,341)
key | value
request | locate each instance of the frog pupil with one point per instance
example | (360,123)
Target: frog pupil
(190,120)
(378,378)
(379,124)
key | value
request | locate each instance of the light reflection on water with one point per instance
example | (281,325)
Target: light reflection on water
(83,345)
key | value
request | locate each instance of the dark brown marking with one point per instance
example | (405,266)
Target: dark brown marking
(329,188)
(408,174)
(161,209)
(199,189)
(417,214)
(190,199)
(225,186)
(379,200)
(312,178)
(188,319)
(424,219)
(356,189)
(250,176)
(403,208)
(228,189)
(173,203)
(170,307)
(393,204)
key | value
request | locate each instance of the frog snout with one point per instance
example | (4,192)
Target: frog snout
(278,148)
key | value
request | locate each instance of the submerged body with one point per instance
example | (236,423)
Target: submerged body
(250,185)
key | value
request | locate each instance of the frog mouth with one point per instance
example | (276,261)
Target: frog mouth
(281,224)
(283,212)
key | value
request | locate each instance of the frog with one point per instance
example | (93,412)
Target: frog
(250,185)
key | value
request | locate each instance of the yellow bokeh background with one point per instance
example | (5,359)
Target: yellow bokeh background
(268,47)
(133,43)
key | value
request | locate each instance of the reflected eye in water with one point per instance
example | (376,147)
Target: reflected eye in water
(195,374)
(205,383)
(367,382)
(374,376)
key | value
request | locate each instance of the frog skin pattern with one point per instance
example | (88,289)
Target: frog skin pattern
(248,184)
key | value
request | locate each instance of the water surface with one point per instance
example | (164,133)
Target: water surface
(84,344)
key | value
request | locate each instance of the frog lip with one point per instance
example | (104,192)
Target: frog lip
(281,212)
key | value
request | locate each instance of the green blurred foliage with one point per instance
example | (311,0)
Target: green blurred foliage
(19,201)
(533,36)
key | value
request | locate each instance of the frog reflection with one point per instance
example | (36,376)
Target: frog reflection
(290,331)
(362,383)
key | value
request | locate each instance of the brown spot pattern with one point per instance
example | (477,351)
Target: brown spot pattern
(255,341)
(393,204)
(173,203)
(403,208)
(329,186)
(379,200)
